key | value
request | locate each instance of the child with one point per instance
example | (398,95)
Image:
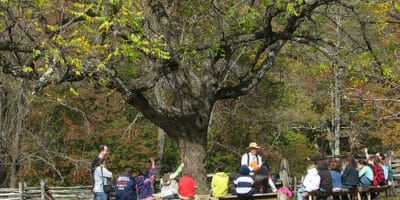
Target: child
(336,176)
(326,179)
(125,186)
(244,183)
(365,173)
(169,186)
(379,175)
(143,182)
(219,182)
(350,178)
(262,180)
(186,185)
(311,181)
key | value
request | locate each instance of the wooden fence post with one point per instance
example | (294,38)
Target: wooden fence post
(42,189)
(21,190)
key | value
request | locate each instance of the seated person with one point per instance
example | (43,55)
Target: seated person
(169,186)
(365,173)
(311,181)
(379,175)
(350,178)
(244,183)
(262,180)
(219,182)
(336,175)
(326,179)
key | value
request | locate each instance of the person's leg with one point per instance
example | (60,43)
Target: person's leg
(100,196)
(299,192)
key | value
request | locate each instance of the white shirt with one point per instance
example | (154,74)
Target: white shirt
(252,161)
(98,183)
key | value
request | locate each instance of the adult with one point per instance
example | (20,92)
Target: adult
(251,159)
(102,177)
(103,152)
(125,186)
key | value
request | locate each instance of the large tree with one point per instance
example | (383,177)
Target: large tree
(197,52)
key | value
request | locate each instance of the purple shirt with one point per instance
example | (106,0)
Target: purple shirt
(143,184)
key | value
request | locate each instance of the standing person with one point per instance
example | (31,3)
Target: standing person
(103,152)
(220,182)
(350,178)
(244,183)
(187,185)
(311,181)
(251,159)
(169,186)
(143,182)
(102,177)
(125,186)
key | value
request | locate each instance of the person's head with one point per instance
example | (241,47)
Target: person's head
(372,161)
(350,160)
(311,166)
(253,147)
(143,172)
(361,163)
(187,172)
(323,165)
(380,156)
(244,170)
(335,165)
(103,151)
(220,167)
(128,171)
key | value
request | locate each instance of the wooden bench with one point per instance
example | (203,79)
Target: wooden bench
(267,196)
(353,193)
(371,189)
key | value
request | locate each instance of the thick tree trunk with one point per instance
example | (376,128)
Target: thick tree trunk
(196,153)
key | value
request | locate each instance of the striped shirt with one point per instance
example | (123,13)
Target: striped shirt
(244,185)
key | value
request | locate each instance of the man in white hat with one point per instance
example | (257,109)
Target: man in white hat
(252,159)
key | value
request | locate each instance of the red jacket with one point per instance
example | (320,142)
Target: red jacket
(187,186)
(379,176)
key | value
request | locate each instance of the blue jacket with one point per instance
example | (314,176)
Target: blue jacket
(125,188)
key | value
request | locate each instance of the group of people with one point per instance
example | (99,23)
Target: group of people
(128,187)
(327,176)
(254,176)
